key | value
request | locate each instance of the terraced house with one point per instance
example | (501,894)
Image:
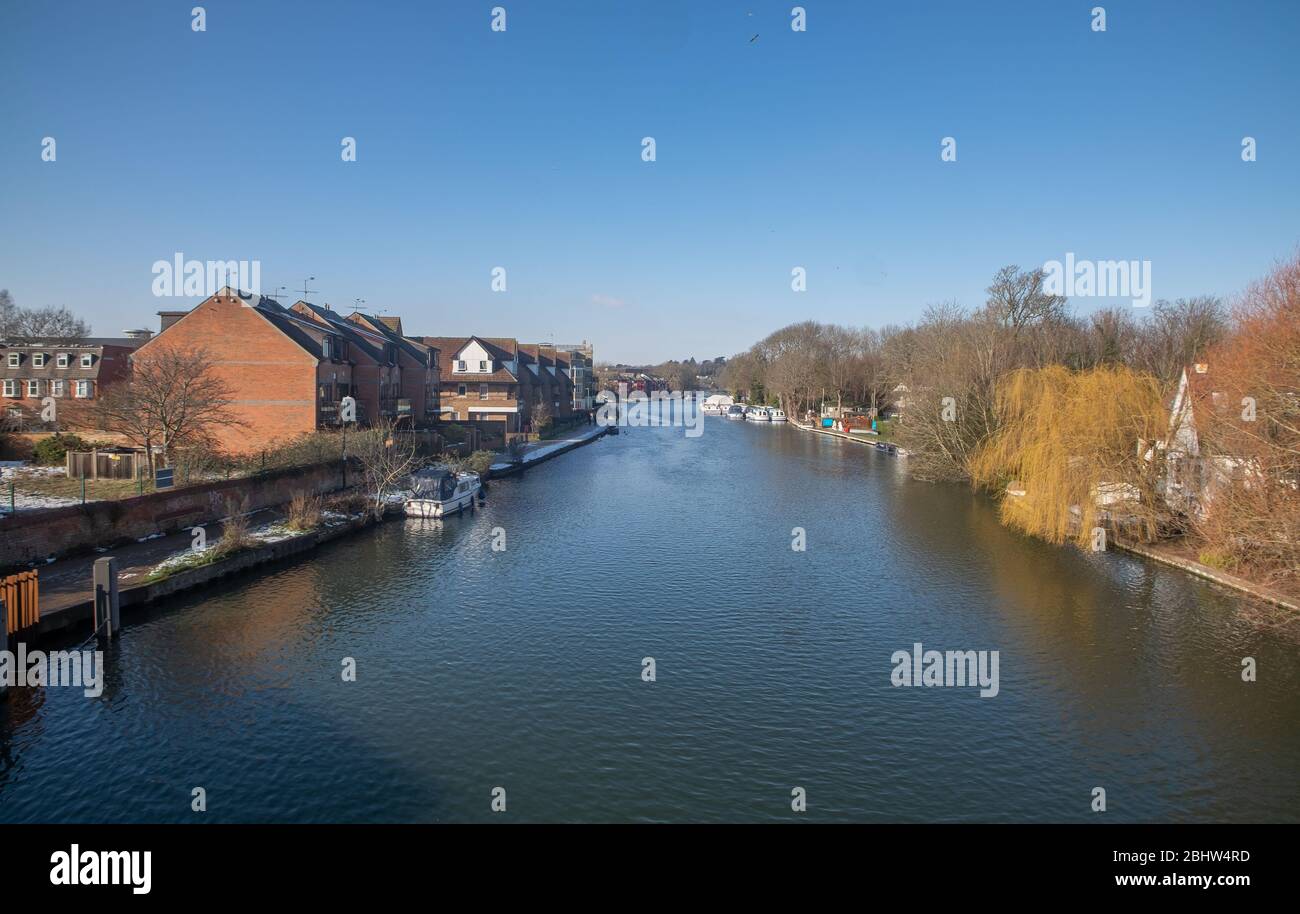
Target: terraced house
(286,373)
(376,375)
(418,382)
(31,370)
(482,383)
(551,390)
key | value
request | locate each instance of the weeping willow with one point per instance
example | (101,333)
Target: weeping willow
(1075,450)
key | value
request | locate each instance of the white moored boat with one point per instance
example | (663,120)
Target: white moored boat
(757,414)
(735,411)
(437,492)
(716,405)
(776,415)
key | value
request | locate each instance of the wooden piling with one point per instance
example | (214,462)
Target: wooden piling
(108,615)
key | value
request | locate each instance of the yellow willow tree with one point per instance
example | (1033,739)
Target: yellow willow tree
(1076,450)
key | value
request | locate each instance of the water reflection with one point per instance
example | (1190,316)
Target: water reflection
(522,667)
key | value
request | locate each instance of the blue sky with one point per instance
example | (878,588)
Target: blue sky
(522,149)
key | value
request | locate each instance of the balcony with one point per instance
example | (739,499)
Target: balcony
(327,413)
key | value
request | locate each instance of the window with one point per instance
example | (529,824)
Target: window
(87,360)
(83,387)
(460,390)
(482,366)
(15,359)
(33,388)
(11,388)
(325,348)
(482,392)
(460,365)
(38,360)
(57,388)
(62,359)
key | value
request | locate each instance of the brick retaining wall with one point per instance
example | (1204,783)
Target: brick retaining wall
(33,536)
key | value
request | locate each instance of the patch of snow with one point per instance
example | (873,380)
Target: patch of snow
(273,533)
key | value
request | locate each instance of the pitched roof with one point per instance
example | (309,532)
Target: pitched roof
(450,347)
(507,344)
(291,325)
(85,342)
(359,337)
(392,331)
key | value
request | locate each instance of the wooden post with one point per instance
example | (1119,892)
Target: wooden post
(107,618)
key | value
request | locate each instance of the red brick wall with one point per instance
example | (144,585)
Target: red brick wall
(414,379)
(271,378)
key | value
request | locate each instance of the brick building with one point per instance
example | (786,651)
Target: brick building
(551,387)
(482,384)
(286,373)
(417,364)
(31,370)
(581,359)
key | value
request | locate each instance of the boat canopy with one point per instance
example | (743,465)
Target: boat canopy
(718,400)
(433,482)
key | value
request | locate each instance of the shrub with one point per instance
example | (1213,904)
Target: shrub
(479,462)
(350,503)
(453,434)
(310,449)
(234,531)
(53,450)
(200,462)
(304,512)
(1216,559)
(515,450)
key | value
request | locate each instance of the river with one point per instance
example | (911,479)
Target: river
(522,668)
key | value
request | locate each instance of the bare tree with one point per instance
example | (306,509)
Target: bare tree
(8,315)
(172,398)
(1016,299)
(49,323)
(387,455)
(1249,430)
(542,416)
(1179,333)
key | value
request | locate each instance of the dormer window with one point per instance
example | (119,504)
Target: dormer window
(62,359)
(326,348)
(87,360)
(15,359)
(38,359)
(460,365)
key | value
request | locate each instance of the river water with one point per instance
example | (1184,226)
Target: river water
(523,668)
